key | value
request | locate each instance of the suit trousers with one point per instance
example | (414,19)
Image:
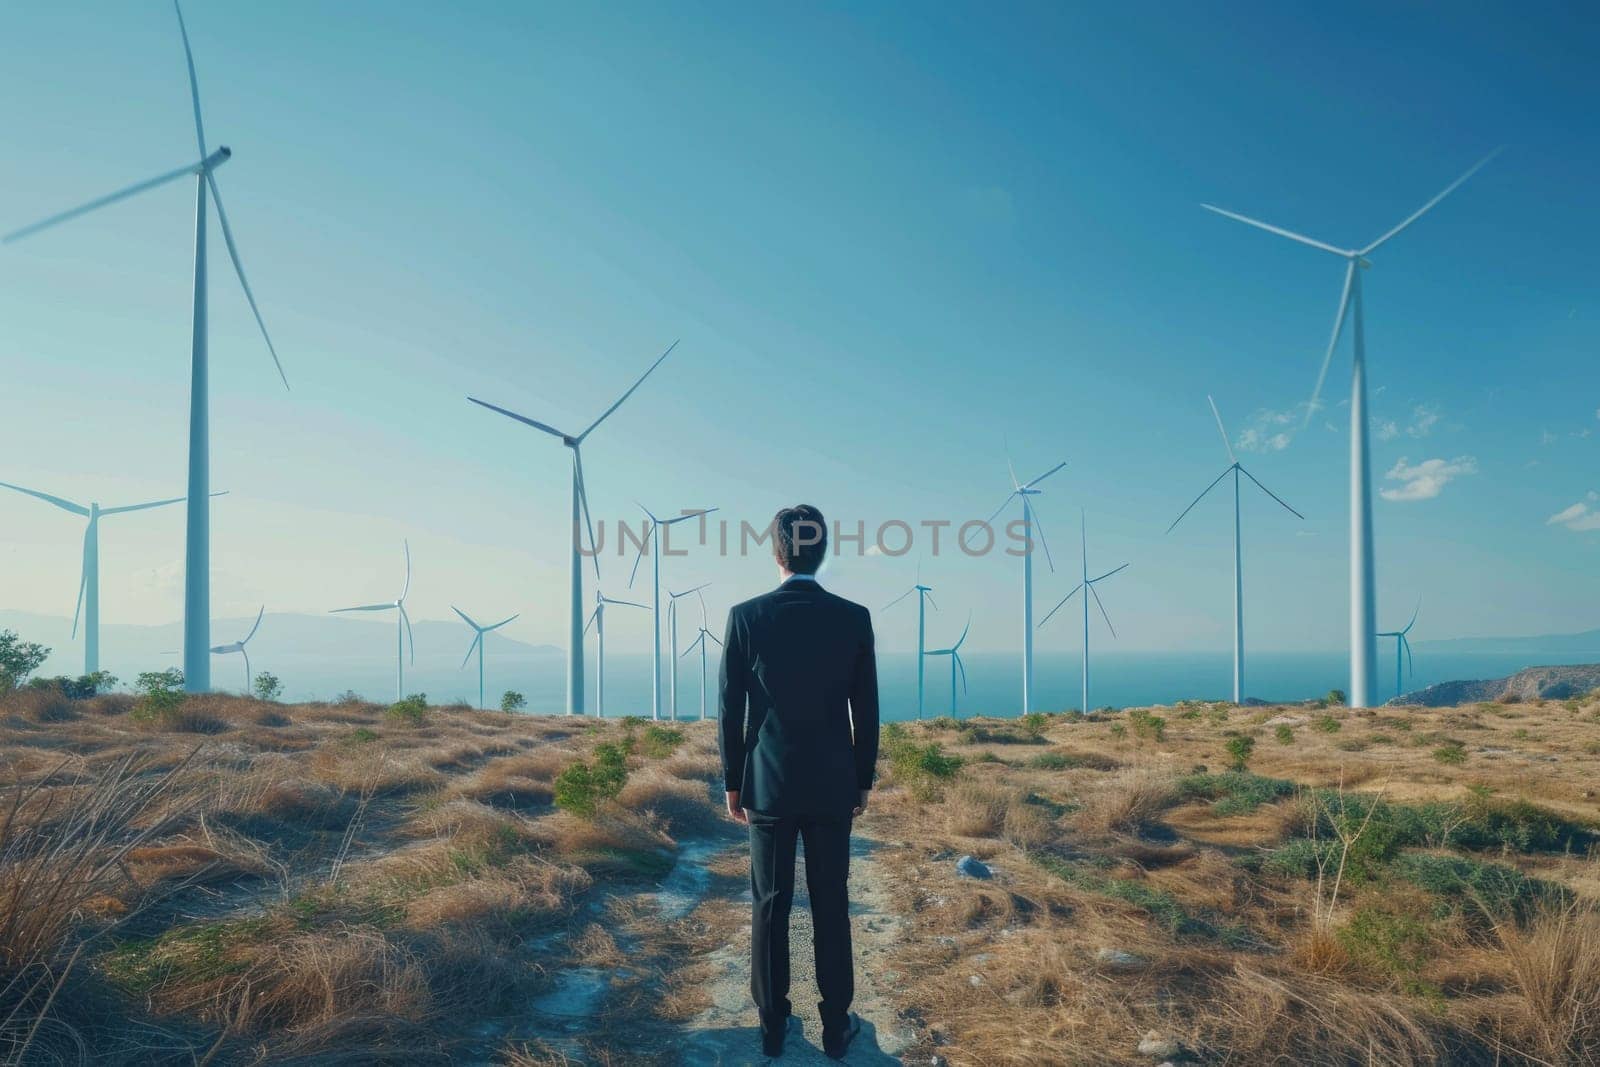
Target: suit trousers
(772,855)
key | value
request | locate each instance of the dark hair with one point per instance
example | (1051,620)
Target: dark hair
(799,539)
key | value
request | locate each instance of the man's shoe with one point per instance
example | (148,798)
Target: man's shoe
(772,1040)
(837,1044)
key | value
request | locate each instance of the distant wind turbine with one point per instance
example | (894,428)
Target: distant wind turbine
(672,627)
(1402,647)
(1088,584)
(954,652)
(89,580)
(1234,468)
(197,540)
(652,541)
(580,512)
(238,646)
(924,597)
(477,643)
(700,642)
(597,618)
(402,636)
(1363,582)
(1022,491)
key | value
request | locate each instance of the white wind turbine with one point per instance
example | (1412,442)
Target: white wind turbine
(924,598)
(580,513)
(238,646)
(477,643)
(1402,648)
(197,538)
(652,540)
(1234,468)
(954,652)
(1088,585)
(1363,582)
(597,618)
(1022,491)
(402,636)
(672,627)
(700,642)
(88,605)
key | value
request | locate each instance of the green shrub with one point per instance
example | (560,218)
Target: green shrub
(1326,724)
(943,722)
(160,696)
(18,659)
(582,785)
(1147,726)
(361,736)
(660,741)
(1050,761)
(1389,942)
(1284,735)
(1119,731)
(1453,753)
(1239,751)
(411,710)
(1233,792)
(511,700)
(1494,888)
(1033,724)
(1335,696)
(80,688)
(266,686)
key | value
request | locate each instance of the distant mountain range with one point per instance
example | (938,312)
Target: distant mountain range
(1581,646)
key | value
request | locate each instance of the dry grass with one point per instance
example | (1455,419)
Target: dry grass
(1127,801)
(1555,965)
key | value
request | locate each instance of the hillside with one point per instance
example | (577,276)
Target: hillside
(1532,683)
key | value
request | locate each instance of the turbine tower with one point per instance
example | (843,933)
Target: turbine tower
(477,643)
(954,652)
(580,504)
(402,636)
(1363,580)
(197,538)
(672,627)
(1022,491)
(598,619)
(1402,647)
(1088,584)
(238,646)
(924,598)
(700,643)
(1234,468)
(652,539)
(89,581)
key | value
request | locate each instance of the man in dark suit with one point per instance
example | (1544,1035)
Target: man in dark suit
(799,743)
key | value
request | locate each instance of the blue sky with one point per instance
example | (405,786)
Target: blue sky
(894,241)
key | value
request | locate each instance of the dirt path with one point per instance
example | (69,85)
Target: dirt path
(726,1034)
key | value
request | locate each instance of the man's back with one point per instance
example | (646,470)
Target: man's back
(801,660)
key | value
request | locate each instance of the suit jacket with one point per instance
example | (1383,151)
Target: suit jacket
(799,705)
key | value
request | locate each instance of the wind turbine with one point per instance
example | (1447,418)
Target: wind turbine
(1234,468)
(1402,646)
(924,597)
(197,537)
(238,646)
(700,643)
(652,538)
(89,582)
(1022,491)
(477,643)
(402,635)
(1088,584)
(954,652)
(598,619)
(672,626)
(1363,582)
(580,502)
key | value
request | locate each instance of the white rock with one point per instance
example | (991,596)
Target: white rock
(1159,1046)
(1117,959)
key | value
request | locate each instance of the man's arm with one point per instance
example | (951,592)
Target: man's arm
(864,708)
(730,715)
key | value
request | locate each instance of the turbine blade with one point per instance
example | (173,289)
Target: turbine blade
(686,592)
(592,615)
(1279,230)
(607,413)
(688,515)
(65,505)
(714,637)
(1059,606)
(194,83)
(1039,529)
(1429,206)
(899,598)
(365,607)
(1333,342)
(1102,607)
(84,209)
(628,603)
(962,667)
(1010,469)
(476,637)
(465,617)
(583,498)
(1108,574)
(638,557)
(1222,430)
(1414,614)
(1273,495)
(244,283)
(930,600)
(406,544)
(696,643)
(143,507)
(1042,477)
(412,641)
(502,622)
(551,430)
(1197,499)
(1001,508)
(1411,666)
(960,640)
(254,627)
(83,584)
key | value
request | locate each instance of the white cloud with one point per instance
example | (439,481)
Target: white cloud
(1580,517)
(1547,438)
(1387,430)
(1425,480)
(1270,431)
(1423,420)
